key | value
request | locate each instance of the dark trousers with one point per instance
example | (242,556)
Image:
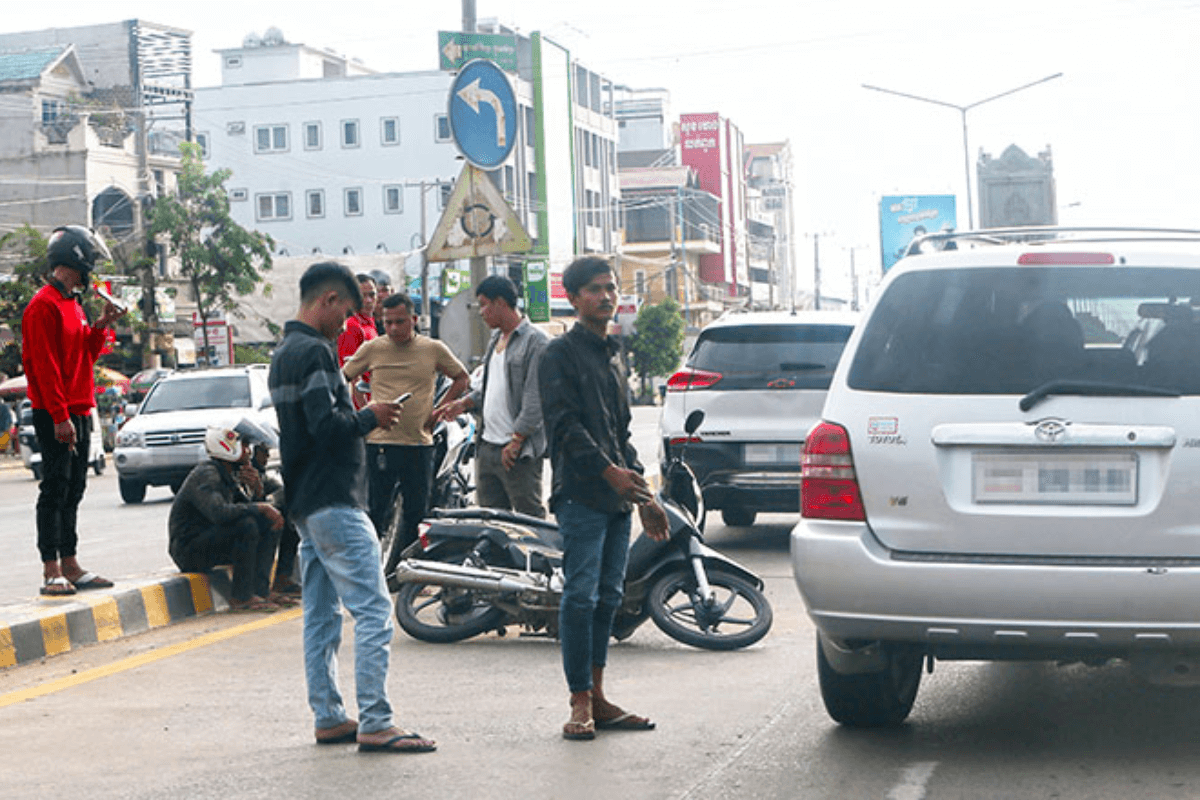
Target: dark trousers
(407,467)
(64,479)
(289,542)
(248,544)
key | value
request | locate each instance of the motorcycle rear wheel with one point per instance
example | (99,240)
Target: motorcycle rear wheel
(444,614)
(739,617)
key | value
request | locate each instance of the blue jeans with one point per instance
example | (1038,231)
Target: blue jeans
(339,560)
(595,552)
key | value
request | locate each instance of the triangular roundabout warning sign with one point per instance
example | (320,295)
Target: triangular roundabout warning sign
(478,221)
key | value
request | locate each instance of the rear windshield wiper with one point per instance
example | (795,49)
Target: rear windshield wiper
(1096,388)
(801,366)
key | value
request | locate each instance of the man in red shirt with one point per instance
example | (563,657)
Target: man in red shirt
(59,350)
(359,328)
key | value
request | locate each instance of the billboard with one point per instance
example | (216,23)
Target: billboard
(700,141)
(903,218)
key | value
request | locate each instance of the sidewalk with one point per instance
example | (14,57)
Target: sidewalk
(50,626)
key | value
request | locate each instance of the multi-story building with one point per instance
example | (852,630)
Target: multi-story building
(329,156)
(771,222)
(91,123)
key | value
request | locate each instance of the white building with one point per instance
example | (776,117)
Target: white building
(330,157)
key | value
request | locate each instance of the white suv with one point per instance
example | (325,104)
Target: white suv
(1008,464)
(160,444)
(760,378)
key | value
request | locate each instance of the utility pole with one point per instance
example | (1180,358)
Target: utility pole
(479,269)
(817,271)
(853,283)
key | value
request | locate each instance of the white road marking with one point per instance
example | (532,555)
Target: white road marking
(913,781)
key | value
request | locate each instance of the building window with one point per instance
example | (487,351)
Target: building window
(389,131)
(202,139)
(273,206)
(312,136)
(393,199)
(239,195)
(233,62)
(444,191)
(270,138)
(350,133)
(441,128)
(52,110)
(639,282)
(354,207)
(315,203)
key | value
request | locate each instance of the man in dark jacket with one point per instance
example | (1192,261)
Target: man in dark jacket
(597,480)
(214,520)
(324,470)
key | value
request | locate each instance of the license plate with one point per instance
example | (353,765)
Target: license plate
(1107,479)
(773,454)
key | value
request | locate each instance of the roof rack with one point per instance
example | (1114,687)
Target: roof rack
(1043,234)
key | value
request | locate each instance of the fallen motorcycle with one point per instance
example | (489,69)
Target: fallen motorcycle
(477,570)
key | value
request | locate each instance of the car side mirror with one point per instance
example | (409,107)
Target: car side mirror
(131,409)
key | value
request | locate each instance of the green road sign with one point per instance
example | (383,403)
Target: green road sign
(456,48)
(537,291)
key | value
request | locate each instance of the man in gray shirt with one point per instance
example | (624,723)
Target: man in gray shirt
(512,437)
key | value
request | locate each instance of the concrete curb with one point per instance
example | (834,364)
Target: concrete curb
(52,626)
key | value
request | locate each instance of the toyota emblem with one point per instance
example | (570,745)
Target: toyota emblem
(1050,431)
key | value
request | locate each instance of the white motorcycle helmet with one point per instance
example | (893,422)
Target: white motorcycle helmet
(229,443)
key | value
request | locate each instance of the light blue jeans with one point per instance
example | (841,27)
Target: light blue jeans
(595,552)
(339,561)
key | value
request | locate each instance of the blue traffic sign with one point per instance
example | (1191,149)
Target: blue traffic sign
(483,114)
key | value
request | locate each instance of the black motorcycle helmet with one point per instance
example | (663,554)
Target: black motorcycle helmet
(76,247)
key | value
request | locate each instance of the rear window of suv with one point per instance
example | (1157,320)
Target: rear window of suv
(1014,329)
(217,391)
(784,356)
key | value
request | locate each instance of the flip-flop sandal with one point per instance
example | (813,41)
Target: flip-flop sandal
(347,736)
(58,586)
(575,731)
(625,722)
(404,743)
(90,580)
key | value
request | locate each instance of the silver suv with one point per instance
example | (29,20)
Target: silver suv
(760,378)
(160,444)
(1007,466)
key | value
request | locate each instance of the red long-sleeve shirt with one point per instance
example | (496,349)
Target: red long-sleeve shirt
(59,350)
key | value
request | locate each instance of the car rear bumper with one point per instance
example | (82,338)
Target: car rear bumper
(780,493)
(857,590)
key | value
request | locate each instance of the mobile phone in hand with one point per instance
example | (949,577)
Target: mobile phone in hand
(402,399)
(112,301)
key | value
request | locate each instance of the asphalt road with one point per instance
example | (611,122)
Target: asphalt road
(214,708)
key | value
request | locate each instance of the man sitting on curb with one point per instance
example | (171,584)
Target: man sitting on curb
(213,521)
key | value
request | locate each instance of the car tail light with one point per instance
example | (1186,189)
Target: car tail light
(687,379)
(423,534)
(828,484)
(678,440)
(1052,259)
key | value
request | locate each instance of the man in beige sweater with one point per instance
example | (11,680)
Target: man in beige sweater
(403,362)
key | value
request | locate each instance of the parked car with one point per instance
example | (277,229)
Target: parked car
(760,378)
(164,439)
(1006,467)
(31,452)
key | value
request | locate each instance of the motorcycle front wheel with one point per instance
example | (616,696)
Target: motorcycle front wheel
(443,614)
(738,616)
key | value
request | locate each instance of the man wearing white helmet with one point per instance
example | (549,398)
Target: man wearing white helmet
(214,522)
(58,351)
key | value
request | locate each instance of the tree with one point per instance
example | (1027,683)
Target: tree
(218,257)
(27,248)
(657,345)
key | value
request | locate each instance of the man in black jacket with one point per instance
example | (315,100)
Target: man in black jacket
(214,521)
(597,480)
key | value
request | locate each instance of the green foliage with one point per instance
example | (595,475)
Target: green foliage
(218,257)
(250,354)
(658,344)
(28,248)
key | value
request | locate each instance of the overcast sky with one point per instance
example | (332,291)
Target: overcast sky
(1122,123)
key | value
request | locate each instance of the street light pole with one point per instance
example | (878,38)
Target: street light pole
(962,110)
